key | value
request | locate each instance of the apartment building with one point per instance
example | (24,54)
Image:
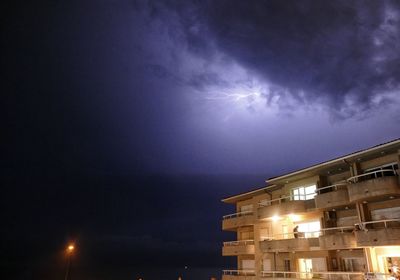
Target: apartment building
(339,219)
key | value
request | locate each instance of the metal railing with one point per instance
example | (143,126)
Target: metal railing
(338,229)
(242,272)
(365,225)
(372,175)
(333,187)
(329,275)
(378,276)
(310,234)
(239,243)
(280,200)
(238,214)
(286,236)
(389,223)
(334,275)
(293,197)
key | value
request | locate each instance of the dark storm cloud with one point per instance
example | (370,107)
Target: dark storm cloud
(342,54)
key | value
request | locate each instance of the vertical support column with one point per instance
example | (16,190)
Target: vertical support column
(238,230)
(398,163)
(355,169)
(372,260)
(363,216)
(258,262)
(239,260)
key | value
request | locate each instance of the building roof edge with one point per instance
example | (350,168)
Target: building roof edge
(338,159)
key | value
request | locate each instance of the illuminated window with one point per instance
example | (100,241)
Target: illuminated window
(311,229)
(304,193)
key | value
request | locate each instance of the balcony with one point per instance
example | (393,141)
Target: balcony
(238,275)
(373,184)
(283,206)
(337,238)
(233,221)
(235,248)
(378,233)
(290,244)
(332,196)
(329,275)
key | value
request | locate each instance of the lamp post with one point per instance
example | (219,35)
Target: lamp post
(70,251)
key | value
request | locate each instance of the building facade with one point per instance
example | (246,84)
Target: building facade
(336,220)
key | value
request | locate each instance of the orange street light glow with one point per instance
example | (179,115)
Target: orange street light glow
(71,248)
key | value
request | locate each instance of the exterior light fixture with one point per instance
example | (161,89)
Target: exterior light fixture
(294,217)
(275,218)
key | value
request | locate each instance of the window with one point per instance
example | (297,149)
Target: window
(311,229)
(354,264)
(390,169)
(265,202)
(385,214)
(246,208)
(304,193)
(287,265)
(267,265)
(393,166)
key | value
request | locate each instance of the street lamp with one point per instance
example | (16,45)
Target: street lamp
(70,248)
(70,251)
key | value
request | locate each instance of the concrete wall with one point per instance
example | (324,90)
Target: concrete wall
(332,199)
(338,240)
(234,250)
(233,223)
(378,237)
(374,188)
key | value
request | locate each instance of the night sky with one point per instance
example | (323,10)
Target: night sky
(124,123)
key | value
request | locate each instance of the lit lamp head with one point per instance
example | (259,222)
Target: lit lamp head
(70,248)
(275,218)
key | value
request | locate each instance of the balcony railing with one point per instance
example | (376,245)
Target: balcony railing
(236,248)
(310,234)
(239,243)
(297,197)
(330,188)
(285,236)
(372,175)
(238,214)
(278,200)
(337,238)
(330,275)
(243,272)
(378,276)
(284,206)
(378,233)
(390,223)
(337,229)
(372,185)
